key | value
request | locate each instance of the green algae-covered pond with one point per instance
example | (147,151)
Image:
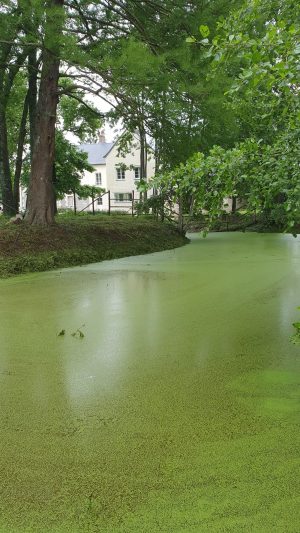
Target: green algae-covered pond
(179,409)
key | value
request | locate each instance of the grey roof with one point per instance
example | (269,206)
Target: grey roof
(96,152)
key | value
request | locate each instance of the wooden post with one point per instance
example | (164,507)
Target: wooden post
(74,197)
(109,202)
(93,200)
(132,203)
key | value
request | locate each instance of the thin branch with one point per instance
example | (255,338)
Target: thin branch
(21,43)
(76,97)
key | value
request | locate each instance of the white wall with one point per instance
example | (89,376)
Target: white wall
(129,184)
(89,178)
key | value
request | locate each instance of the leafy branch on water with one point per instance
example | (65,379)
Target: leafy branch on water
(295,339)
(78,333)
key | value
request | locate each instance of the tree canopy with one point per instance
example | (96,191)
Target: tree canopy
(218,78)
(258,44)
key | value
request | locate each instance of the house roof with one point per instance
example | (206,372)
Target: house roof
(96,152)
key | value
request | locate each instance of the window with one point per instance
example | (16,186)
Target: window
(99,201)
(123,196)
(120,174)
(137,173)
(98,178)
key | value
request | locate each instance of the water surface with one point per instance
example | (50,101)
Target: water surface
(179,409)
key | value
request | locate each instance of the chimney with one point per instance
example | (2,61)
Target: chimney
(101,138)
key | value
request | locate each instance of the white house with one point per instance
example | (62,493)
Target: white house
(112,172)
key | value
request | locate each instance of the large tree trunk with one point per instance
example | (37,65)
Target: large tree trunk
(40,208)
(40,205)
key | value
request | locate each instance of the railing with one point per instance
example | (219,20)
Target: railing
(111,205)
(92,203)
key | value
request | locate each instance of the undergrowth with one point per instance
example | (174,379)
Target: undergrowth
(81,240)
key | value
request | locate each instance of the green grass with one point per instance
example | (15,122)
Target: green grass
(79,240)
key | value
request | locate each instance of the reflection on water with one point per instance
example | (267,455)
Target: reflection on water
(184,370)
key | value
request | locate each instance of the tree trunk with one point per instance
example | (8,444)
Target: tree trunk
(142,155)
(5,175)
(32,86)
(143,159)
(20,149)
(40,206)
(10,65)
(145,166)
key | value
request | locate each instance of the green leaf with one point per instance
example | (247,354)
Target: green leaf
(190,40)
(204,30)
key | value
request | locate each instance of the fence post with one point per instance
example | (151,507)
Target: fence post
(74,197)
(109,202)
(132,203)
(93,200)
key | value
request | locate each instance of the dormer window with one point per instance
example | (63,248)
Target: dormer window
(98,178)
(120,174)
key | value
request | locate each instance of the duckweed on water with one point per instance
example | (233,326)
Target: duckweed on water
(178,412)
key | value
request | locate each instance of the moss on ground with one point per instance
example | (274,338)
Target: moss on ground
(81,240)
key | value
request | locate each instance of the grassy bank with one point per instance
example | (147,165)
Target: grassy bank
(80,240)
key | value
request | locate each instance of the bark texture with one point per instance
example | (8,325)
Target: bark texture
(40,205)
